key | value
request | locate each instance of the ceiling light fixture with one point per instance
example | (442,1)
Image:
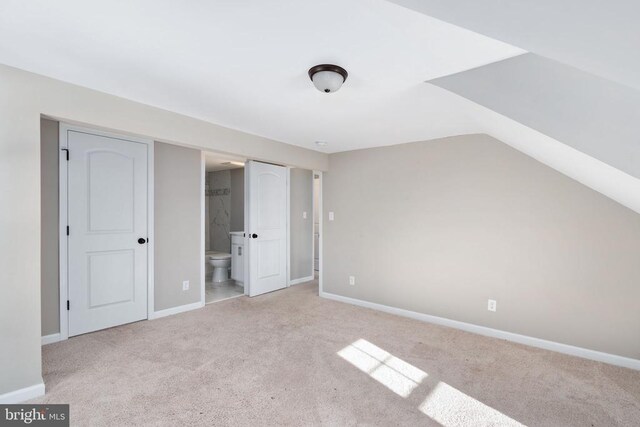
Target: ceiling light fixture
(321,143)
(327,78)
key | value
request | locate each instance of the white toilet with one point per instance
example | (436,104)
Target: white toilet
(221,262)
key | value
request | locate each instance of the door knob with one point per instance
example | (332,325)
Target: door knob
(142,240)
(254,235)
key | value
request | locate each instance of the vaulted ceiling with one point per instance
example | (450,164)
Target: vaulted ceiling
(573,101)
(599,37)
(559,81)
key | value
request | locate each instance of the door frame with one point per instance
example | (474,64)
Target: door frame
(288,225)
(320,232)
(203,227)
(245,253)
(246,222)
(63,197)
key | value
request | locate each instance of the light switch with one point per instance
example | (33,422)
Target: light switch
(304,215)
(331,216)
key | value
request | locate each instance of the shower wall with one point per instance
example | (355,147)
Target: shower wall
(219,202)
(224,208)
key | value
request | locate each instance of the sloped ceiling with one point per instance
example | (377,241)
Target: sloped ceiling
(599,117)
(599,37)
(573,102)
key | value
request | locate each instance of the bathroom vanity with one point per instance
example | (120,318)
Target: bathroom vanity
(237,256)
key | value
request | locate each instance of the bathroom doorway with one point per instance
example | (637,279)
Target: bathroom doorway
(289,197)
(223,227)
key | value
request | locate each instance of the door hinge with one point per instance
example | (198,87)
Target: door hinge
(67,230)
(66,150)
(68,305)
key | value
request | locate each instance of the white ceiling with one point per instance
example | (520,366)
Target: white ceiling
(243,64)
(218,162)
(599,117)
(600,37)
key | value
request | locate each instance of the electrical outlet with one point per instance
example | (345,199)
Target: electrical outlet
(331,216)
(304,215)
(185,285)
(352,280)
(491,305)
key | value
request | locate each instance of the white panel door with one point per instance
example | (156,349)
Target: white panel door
(107,242)
(267,228)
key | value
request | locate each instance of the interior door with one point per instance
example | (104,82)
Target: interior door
(107,235)
(267,227)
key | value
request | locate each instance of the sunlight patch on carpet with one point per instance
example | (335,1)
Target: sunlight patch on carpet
(451,408)
(394,373)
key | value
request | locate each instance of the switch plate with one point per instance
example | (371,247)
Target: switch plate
(304,215)
(492,305)
(185,285)
(331,216)
(352,280)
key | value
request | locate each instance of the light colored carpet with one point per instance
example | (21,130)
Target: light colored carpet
(292,358)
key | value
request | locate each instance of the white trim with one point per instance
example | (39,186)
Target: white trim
(176,310)
(62,233)
(245,255)
(151,241)
(23,394)
(50,339)
(313,224)
(288,221)
(585,353)
(203,226)
(64,128)
(320,234)
(300,280)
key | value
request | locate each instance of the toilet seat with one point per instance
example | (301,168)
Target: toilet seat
(219,255)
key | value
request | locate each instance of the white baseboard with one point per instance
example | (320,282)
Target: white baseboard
(300,280)
(585,353)
(23,394)
(176,310)
(49,339)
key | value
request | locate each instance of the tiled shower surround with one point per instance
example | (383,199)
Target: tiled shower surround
(218,203)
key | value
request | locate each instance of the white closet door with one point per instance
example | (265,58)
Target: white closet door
(107,242)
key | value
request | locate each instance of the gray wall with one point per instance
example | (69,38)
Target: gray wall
(27,96)
(301,229)
(49,214)
(237,199)
(439,227)
(177,225)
